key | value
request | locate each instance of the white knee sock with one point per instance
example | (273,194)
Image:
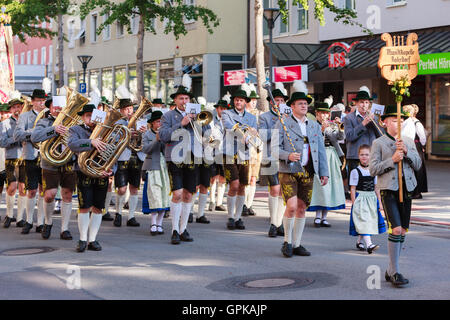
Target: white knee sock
(231,204)
(212,193)
(127,195)
(154,216)
(280,211)
(94,226)
(273,207)
(108,200)
(66,211)
(175,213)
(49,207)
(288,224)
(202,199)
(240,200)
(132,204)
(185,211)
(194,197)
(246,193)
(250,196)
(367,240)
(41,212)
(318,214)
(31,203)
(83,225)
(299,226)
(119,203)
(10,206)
(160,218)
(324,214)
(220,193)
(21,207)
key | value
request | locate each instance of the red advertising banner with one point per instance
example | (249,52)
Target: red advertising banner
(290,73)
(234,78)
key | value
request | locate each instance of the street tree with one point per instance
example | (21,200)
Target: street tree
(173,13)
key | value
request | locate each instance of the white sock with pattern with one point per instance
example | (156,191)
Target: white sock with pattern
(10,206)
(288,224)
(231,204)
(185,211)
(175,213)
(66,211)
(49,207)
(83,225)
(273,207)
(94,226)
(132,204)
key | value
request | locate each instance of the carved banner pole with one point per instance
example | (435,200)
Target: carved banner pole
(398,63)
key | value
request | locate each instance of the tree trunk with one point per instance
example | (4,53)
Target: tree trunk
(60,50)
(259,55)
(140,59)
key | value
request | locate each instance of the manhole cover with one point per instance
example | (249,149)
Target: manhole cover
(26,251)
(269,283)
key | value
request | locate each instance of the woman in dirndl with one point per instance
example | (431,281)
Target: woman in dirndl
(332,195)
(155,200)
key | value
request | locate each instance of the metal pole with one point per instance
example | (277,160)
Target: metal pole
(270,25)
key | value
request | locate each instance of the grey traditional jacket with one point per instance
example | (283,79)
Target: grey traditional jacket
(316,145)
(79,140)
(267,122)
(230,141)
(22,134)
(126,154)
(13,149)
(333,135)
(172,134)
(356,134)
(382,166)
(152,148)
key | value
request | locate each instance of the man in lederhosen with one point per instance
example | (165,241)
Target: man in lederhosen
(91,191)
(237,155)
(15,174)
(55,176)
(30,156)
(129,169)
(267,122)
(302,154)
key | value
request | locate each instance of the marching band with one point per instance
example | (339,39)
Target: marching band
(177,153)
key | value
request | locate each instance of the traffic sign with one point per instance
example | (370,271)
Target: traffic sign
(82,88)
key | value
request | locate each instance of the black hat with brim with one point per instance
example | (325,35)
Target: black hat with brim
(156,115)
(240,94)
(278,93)
(86,108)
(391,111)
(123,103)
(222,103)
(157,101)
(362,95)
(322,106)
(13,102)
(299,96)
(38,93)
(182,90)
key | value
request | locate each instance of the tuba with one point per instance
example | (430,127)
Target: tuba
(55,150)
(27,106)
(136,142)
(116,136)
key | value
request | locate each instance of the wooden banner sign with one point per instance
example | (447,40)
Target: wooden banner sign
(398,59)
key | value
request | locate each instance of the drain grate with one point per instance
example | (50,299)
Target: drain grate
(26,251)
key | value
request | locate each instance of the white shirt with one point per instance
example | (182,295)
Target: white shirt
(410,128)
(305,153)
(354,176)
(183,113)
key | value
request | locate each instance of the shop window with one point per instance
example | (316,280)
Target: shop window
(72,81)
(93,80)
(120,77)
(107,84)
(302,19)
(440,97)
(150,84)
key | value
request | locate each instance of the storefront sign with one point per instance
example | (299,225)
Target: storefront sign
(290,73)
(340,59)
(234,78)
(434,63)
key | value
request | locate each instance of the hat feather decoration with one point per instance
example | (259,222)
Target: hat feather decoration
(329,101)
(227,97)
(252,87)
(246,88)
(62,91)
(95,97)
(159,95)
(202,101)
(186,82)
(280,86)
(300,86)
(123,93)
(47,85)
(15,95)
(366,89)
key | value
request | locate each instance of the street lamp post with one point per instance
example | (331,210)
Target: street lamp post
(271,15)
(84,62)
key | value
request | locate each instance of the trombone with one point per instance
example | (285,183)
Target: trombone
(378,131)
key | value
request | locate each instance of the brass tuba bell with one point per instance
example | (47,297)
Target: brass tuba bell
(136,142)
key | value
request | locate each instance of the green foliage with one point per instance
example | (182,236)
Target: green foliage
(174,13)
(26,15)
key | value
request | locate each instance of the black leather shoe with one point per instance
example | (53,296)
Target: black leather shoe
(387,277)
(94,246)
(280,231)
(286,249)
(175,237)
(398,280)
(244,211)
(231,224)
(360,246)
(107,217)
(202,219)
(191,217)
(301,251)
(39,228)
(372,248)
(20,224)
(46,231)
(26,228)
(154,233)
(239,225)
(317,223)
(118,220)
(272,231)
(7,222)
(186,237)
(220,208)
(251,212)
(81,246)
(324,223)
(13,219)
(133,223)
(65,235)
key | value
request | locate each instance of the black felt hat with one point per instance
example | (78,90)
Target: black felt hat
(86,108)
